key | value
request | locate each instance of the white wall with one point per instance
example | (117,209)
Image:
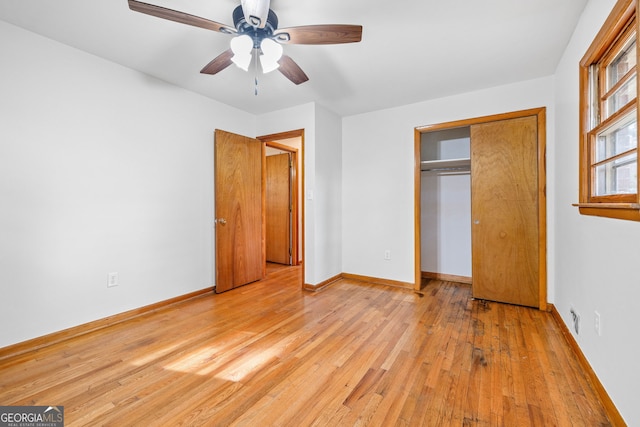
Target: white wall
(102,169)
(596,259)
(378,172)
(328,195)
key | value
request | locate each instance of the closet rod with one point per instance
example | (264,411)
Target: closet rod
(446,172)
(457,165)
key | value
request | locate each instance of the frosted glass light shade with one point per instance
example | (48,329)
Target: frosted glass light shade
(242,61)
(271,54)
(241,44)
(241,47)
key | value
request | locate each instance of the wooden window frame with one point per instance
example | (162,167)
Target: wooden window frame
(621,21)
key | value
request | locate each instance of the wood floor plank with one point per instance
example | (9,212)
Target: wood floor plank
(354,354)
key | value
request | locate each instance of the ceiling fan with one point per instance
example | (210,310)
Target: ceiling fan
(255,27)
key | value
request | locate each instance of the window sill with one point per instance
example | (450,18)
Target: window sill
(628,211)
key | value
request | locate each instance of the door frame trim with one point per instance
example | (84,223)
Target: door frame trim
(272,140)
(542,186)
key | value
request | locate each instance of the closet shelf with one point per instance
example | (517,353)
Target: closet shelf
(447,165)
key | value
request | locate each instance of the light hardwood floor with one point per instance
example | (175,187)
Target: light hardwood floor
(272,354)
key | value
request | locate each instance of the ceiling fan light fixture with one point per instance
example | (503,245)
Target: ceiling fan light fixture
(241,47)
(255,12)
(253,23)
(271,54)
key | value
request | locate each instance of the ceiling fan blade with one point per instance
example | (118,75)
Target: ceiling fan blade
(319,34)
(181,17)
(291,70)
(255,12)
(219,63)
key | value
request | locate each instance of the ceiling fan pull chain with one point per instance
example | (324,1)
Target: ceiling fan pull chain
(256,75)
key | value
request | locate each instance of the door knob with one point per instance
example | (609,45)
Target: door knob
(221,221)
(477,221)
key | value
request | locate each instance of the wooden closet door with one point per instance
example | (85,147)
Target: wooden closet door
(504,211)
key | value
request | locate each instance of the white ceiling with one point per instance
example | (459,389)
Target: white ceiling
(411,50)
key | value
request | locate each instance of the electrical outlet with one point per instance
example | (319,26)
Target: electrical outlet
(387,255)
(596,323)
(112,280)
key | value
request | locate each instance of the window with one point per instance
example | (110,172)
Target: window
(609,119)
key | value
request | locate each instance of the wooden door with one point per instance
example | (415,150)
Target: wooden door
(240,251)
(504,211)
(278,208)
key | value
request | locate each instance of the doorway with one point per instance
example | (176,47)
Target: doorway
(281,201)
(291,145)
(446,205)
(240,176)
(508,228)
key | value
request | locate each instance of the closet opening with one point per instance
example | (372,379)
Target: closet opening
(445,199)
(480,206)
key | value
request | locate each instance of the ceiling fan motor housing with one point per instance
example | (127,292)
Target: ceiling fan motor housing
(256,34)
